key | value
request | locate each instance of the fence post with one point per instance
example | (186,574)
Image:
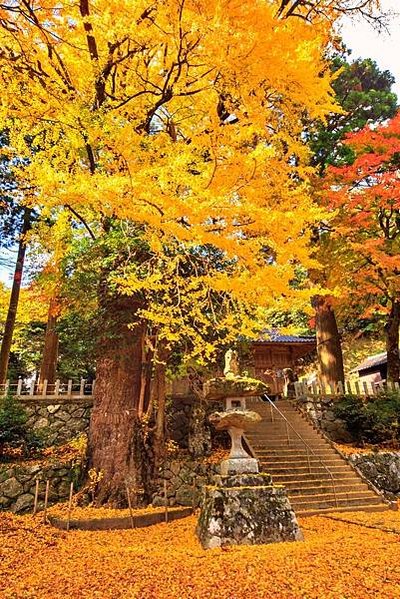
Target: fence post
(7,387)
(69,392)
(44,389)
(32,388)
(19,386)
(82,387)
(93,386)
(57,387)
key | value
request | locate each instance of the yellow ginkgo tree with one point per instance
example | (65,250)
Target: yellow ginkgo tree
(172,133)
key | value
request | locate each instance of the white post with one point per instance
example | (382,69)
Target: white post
(82,387)
(19,386)
(69,387)
(57,387)
(32,388)
(7,387)
(44,389)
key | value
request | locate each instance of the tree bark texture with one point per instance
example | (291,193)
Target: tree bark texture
(116,449)
(14,299)
(50,352)
(329,349)
(158,398)
(392,342)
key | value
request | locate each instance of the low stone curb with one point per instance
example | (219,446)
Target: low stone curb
(139,521)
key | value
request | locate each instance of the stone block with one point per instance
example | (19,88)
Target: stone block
(243,480)
(23,503)
(246,515)
(53,408)
(239,465)
(41,423)
(184,495)
(63,415)
(11,488)
(5,502)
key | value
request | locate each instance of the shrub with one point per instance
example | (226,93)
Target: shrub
(14,433)
(375,420)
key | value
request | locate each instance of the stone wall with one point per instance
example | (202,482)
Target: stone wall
(185,478)
(18,482)
(58,421)
(62,420)
(320,410)
(382,469)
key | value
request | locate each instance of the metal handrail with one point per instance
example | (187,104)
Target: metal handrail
(309,449)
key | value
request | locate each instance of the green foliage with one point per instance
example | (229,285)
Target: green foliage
(364,92)
(375,421)
(14,432)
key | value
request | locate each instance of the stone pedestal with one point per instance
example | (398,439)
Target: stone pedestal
(246,509)
(242,465)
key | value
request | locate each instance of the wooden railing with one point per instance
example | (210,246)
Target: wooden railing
(72,388)
(362,388)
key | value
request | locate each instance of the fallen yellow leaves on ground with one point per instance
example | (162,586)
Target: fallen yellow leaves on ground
(60,510)
(336,560)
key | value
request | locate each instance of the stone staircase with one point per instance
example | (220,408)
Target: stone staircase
(317,479)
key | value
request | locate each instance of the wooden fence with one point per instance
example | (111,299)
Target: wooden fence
(362,388)
(77,388)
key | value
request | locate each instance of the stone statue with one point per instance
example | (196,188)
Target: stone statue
(289,380)
(231,369)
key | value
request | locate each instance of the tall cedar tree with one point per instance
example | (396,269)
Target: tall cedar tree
(180,119)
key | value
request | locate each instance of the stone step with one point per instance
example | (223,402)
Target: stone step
(312,479)
(282,434)
(266,444)
(302,463)
(300,477)
(304,512)
(326,488)
(329,501)
(267,458)
(287,452)
(315,469)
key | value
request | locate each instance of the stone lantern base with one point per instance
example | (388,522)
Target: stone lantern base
(246,509)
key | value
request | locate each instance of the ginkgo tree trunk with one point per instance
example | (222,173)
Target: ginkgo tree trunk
(169,129)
